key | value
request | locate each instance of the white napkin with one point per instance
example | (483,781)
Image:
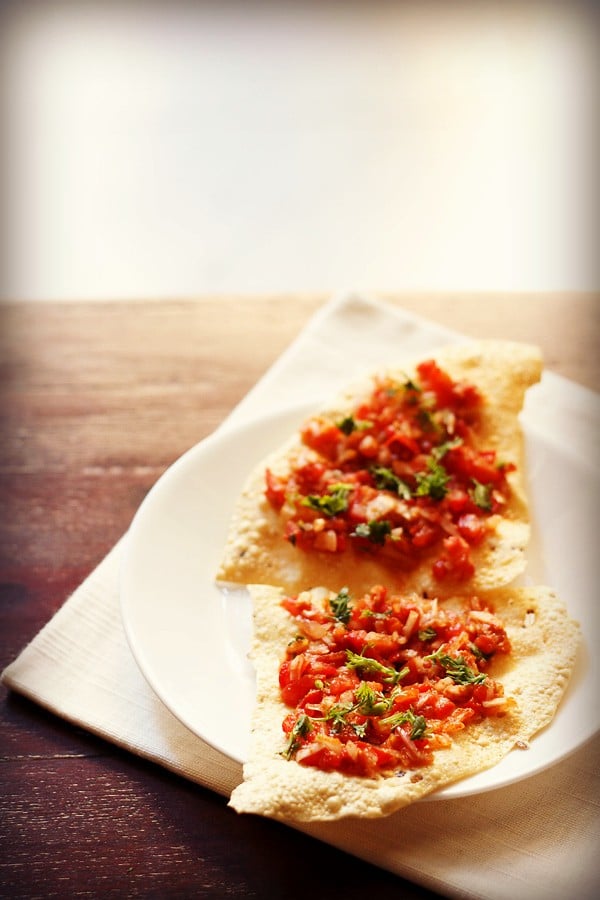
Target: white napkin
(536,839)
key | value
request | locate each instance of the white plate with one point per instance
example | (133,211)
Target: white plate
(191,639)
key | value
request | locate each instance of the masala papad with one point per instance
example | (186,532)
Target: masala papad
(455,430)
(533,675)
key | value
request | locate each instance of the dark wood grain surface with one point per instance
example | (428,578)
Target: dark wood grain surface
(97,399)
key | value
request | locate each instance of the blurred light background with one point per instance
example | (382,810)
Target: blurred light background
(176,149)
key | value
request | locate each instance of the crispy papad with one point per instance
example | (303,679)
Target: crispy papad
(544,645)
(257,552)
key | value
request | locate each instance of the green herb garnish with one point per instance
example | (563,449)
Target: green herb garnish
(375,531)
(457,668)
(369,701)
(340,606)
(426,420)
(433,483)
(386,480)
(338,716)
(301,728)
(427,634)
(349,424)
(332,503)
(410,385)
(441,450)
(370,666)
(481,495)
(418,723)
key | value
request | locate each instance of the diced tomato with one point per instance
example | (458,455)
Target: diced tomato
(455,562)
(424,534)
(469,464)
(457,720)
(401,445)
(293,692)
(295,606)
(472,528)
(275,490)
(322,437)
(406,698)
(289,722)
(309,478)
(325,756)
(449,394)
(486,644)
(297,536)
(435,705)
(311,698)
(480,693)
(377,598)
(457,500)
(490,642)
(346,680)
(412,753)
(354,640)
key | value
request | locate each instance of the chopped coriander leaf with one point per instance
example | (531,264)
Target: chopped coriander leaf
(375,531)
(427,634)
(457,669)
(349,424)
(410,385)
(371,667)
(369,701)
(418,723)
(337,716)
(301,728)
(441,450)
(359,729)
(433,483)
(346,425)
(481,495)
(426,420)
(333,503)
(340,606)
(386,480)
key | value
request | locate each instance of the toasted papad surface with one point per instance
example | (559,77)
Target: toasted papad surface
(257,552)
(544,645)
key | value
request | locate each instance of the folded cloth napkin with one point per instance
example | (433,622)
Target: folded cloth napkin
(536,839)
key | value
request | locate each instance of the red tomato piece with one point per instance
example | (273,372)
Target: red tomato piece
(472,528)
(294,692)
(275,489)
(322,437)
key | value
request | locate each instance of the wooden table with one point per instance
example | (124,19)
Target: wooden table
(97,400)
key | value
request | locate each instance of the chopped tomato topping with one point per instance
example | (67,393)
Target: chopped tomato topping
(402,477)
(386,697)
